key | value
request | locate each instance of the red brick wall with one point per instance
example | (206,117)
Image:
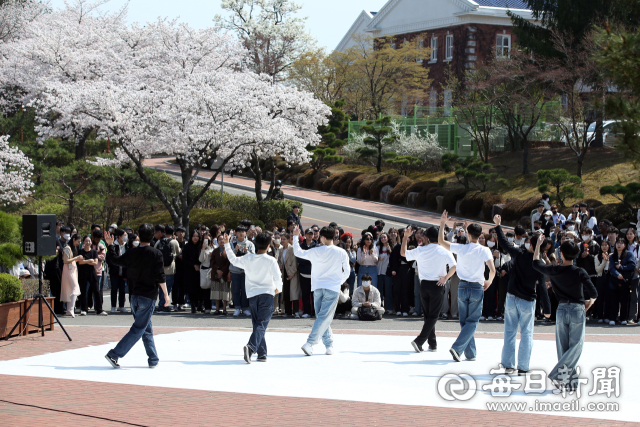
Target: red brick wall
(464,37)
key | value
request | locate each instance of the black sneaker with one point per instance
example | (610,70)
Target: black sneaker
(548,321)
(416,347)
(522,373)
(247,354)
(112,361)
(262,359)
(455,355)
(434,348)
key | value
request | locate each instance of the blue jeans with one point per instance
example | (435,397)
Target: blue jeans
(351,281)
(261,307)
(169,280)
(470,297)
(417,299)
(385,286)
(372,271)
(518,312)
(238,291)
(570,326)
(325,302)
(142,310)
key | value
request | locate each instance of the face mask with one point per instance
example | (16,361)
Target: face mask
(276,241)
(586,238)
(222,229)
(366,284)
(536,228)
(554,212)
(136,243)
(491,244)
(510,239)
(570,239)
(66,236)
(570,228)
(547,217)
(527,246)
(125,238)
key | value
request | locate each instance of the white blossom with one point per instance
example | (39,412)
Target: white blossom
(15,173)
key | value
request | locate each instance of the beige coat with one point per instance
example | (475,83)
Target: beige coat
(291,269)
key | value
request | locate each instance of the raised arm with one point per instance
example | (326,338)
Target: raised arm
(233,259)
(443,221)
(297,250)
(346,267)
(502,239)
(405,241)
(492,273)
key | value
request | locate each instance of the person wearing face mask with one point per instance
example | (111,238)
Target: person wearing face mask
(520,303)
(520,235)
(70,289)
(575,214)
(366,296)
(570,225)
(589,250)
(545,201)
(537,215)
(557,217)
(53,269)
(117,274)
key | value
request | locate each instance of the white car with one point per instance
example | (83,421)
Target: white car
(610,132)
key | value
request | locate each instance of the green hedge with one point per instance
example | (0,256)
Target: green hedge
(617,213)
(346,184)
(451,198)
(383,181)
(208,217)
(355,183)
(10,288)
(267,211)
(515,209)
(397,195)
(342,179)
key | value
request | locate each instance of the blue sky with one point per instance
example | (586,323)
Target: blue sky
(328,20)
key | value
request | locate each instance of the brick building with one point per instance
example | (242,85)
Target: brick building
(459,33)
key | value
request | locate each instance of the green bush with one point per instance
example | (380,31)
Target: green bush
(267,213)
(382,181)
(355,184)
(397,195)
(490,199)
(451,198)
(593,203)
(515,209)
(320,183)
(617,213)
(475,202)
(328,183)
(345,185)
(307,180)
(343,178)
(10,288)
(364,190)
(430,197)
(9,228)
(416,187)
(208,217)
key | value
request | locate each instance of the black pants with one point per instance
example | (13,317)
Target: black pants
(602,286)
(344,307)
(286,297)
(620,297)
(93,291)
(489,300)
(402,288)
(117,285)
(178,291)
(55,286)
(502,294)
(554,303)
(307,295)
(432,297)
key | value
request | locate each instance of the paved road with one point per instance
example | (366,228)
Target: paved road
(313,214)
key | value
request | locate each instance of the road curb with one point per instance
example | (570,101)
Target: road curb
(334,206)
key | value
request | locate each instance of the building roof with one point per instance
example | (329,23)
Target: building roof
(511,4)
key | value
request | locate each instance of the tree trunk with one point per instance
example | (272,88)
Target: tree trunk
(72,203)
(81,146)
(525,157)
(580,164)
(257,174)
(379,164)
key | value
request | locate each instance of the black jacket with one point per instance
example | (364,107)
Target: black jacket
(304,266)
(523,277)
(145,269)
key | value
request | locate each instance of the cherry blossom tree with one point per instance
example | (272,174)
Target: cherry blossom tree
(15,173)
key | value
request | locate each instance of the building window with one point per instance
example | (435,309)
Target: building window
(448,53)
(434,49)
(420,46)
(447,102)
(503,45)
(433,102)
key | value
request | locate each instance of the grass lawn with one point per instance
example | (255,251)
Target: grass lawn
(602,166)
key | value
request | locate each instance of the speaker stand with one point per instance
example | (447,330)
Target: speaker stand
(41,299)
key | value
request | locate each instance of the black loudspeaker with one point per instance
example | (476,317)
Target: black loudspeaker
(39,235)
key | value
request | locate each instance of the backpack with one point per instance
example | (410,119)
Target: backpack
(164,246)
(367,313)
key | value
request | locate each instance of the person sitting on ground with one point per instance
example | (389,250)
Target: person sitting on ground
(366,296)
(344,302)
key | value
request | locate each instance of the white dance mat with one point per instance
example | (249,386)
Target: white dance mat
(366,368)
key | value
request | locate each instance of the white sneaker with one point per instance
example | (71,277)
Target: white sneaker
(606,320)
(354,316)
(307,349)
(113,309)
(455,316)
(399,313)
(413,313)
(624,322)
(123,310)
(305,316)
(329,351)
(405,314)
(247,313)
(207,312)
(83,313)
(388,312)
(481,318)
(297,316)
(236,313)
(600,320)
(489,318)
(103,313)
(612,323)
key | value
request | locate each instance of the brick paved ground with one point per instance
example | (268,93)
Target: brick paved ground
(84,403)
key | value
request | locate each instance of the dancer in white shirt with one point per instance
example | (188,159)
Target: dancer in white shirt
(330,269)
(262,282)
